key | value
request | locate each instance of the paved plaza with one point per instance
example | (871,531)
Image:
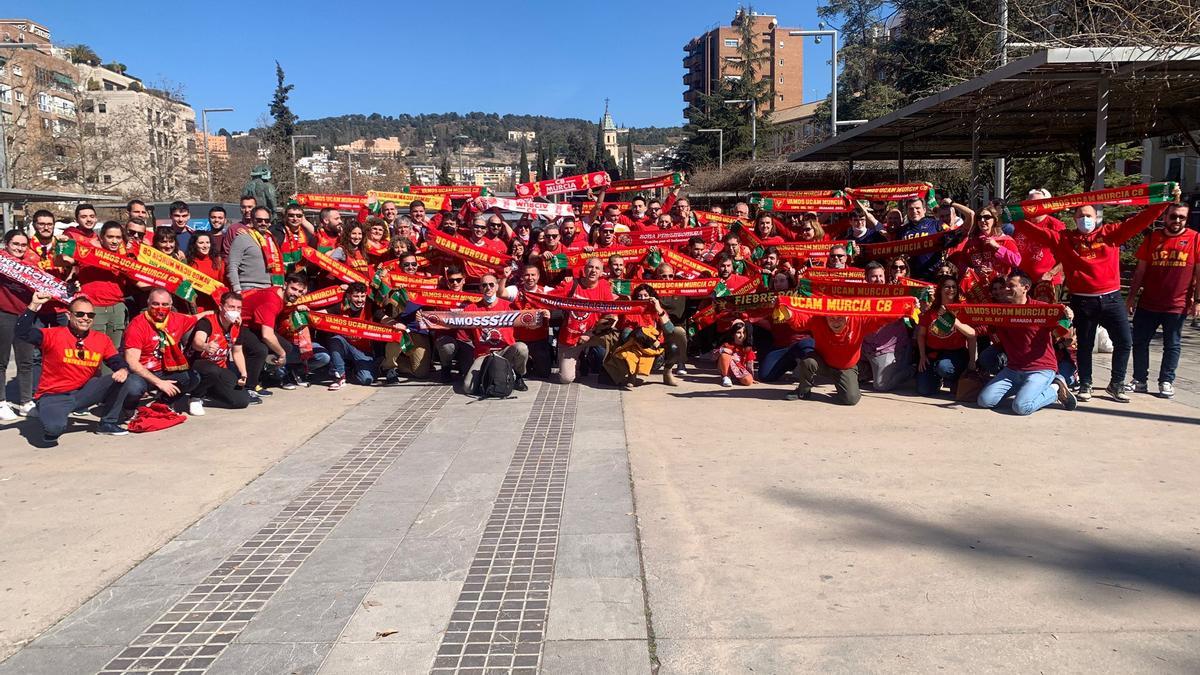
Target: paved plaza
(577,529)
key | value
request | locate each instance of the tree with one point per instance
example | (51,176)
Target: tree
(444,173)
(523,166)
(279,134)
(629,170)
(116,67)
(82,53)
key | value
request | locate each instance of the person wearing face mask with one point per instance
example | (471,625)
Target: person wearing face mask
(1169,278)
(498,339)
(154,349)
(352,358)
(863,226)
(71,356)
(219,361)
(1091,259)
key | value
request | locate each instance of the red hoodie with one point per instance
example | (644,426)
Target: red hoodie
(1092,262)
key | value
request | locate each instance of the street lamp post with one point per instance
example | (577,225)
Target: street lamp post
(207,161)
(4,182)
(295,175)
(720,146)
(350,168)
(753,124)
(834,123)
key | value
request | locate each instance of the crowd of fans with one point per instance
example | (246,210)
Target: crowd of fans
(121,340)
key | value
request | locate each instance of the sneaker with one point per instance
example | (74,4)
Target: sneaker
(337,383)
(49,441)
(7,414)
(255,399)
(110,429)
(393,377)
(196,409)
(1166,390)
(1065,397)
(297,379)
(681,369)
(1138,387)
(1116,391)
(799,395)
(520,385)
(262,391)
(1085,393)
(287,385)
(28,409)
(726,382)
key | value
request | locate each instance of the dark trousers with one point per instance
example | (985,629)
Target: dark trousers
(1109,311)
(1145,324)
(778,362)
(135,386)
(943,368)
(25,355)
(219,384)
(541,358)
(845,381)
(54,408)
(255,351)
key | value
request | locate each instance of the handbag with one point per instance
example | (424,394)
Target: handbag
(969,385)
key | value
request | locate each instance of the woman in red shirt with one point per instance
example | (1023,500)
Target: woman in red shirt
(377,245)
(735,356)
(352,249)
(14,297)
(946,346)
(991,253)
(200,256)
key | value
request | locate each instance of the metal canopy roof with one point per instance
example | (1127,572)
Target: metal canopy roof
(1042,103)
(16,195)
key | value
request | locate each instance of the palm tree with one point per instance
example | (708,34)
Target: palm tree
(82,53)
(116,67)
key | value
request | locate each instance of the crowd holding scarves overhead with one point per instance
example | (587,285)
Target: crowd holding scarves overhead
(877,283)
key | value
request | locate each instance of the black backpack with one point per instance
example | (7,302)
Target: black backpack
(496,378)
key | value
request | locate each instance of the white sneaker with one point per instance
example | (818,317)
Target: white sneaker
(681,369)
(726,382)
(1166,390)
(7,414)
(28,409)
(196,408)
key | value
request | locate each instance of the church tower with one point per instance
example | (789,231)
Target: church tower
(610,135)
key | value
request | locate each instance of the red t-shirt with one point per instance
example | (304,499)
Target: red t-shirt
(1029,348)
(102,287)
(261,307)
(66,367)
(1036,257)
(1170,266)
(224,339)
(938,340)
(157,356)
(575,324)
(842,350)
(490,339)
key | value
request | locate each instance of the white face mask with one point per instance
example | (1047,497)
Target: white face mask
(233,315)
(859,229)
(1085,224)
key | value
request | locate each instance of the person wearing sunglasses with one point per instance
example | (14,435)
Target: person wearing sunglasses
(1169,278)
(417,362)
(897,269)
(498,339)
(71,379)
(544,254)
(541,352)
(247,262)
(988,251)
(14,297)
(454,348)
(154,349)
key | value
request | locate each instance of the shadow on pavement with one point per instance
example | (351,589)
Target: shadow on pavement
(1022,541)
(1120,412)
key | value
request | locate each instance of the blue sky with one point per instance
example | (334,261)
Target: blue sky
(405,57)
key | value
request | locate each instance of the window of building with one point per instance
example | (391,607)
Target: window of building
(3,70)
(44,102)
(60,151)
(730,42)
(1174,168)
(5,93)
(17,70)
(21,97)
(780,79)
(88,106)
(781,97)
(781,44)
(781,62)
(103,108)
(107,179)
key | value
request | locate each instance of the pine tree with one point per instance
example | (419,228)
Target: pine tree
(279,134)
(444,173)
(629,171)
(523,174)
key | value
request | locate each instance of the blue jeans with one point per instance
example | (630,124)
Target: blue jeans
(319,359)
(1035,390)
(346,359)
(944,368)
(778,362)
(1106,310)
(1145,324)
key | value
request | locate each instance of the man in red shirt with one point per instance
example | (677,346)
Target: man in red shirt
(581,330)
(838,349)
(541,354)
(477,236)
(725,273)
(1168,276)
(85,223)
(494,339)
(71,356)
(217,344)
(1091,257)
(1032,365)
(154,349)
(107,290)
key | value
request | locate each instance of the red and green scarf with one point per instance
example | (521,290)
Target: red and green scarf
(894,193)
(1130,195)
(860,289)
(336,269)
(448,191)
(514,318)
(376,198)
(543,209)
(348,326)
(928,243)
(326,201)
(200,281)
(558,186)
(669,180)
(33,278)
(835,204)
(272,257)
(583,305)
(672,237)
(791,194)
(1012,316)
(465,251)
(324,297)
(441,298)
(92,256)
(897,308)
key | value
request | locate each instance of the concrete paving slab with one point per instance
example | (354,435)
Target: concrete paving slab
(390,657)
(113,617)
(345,560)
(452,519)
(377,518)
(596,609)
(612,657)
(591,556)
(305,612)
(268,659)
(403,611)
(57,660)
(430,559)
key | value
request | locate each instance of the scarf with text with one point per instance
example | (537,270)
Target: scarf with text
(272,257)
(357,329)
(928,243)
(718,218)
(1130,195)
(92,256)
(376,198)
(325,201)
(200,281)
(671,237)
(1012,316)
(558,186)
(543,209)
(686,266)
(448,191)
(630,254)
(671,288)
(669,180)
(834,204)
(894,193)
(895,308)
(791,194)
(325,297)
(514,318)
(441,298)
(466,251)
(34,279)
(334,268)
(811,249)
(860,289)
(826,273)
(583,305)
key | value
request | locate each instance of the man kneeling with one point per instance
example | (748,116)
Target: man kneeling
(154,343)
(494,339)
(1032,365)
(217,342)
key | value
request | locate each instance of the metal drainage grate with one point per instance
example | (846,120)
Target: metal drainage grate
(194,632)
(499,620)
